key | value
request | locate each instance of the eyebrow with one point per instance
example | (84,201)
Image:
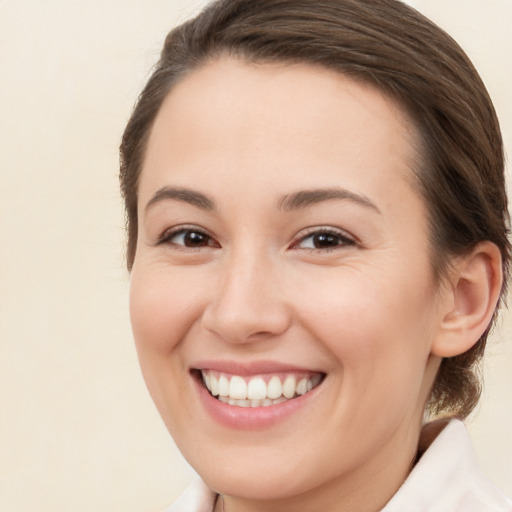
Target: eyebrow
(294,201)
(182,194)
(305,198)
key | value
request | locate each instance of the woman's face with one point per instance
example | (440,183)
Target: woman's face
(281,248)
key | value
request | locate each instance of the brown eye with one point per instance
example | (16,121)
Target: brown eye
(188,237)
(195,239)
(324,240)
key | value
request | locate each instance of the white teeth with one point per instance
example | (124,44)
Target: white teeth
(224,386)
(289,386)
(214,383)
(275,388)
(237,388)
(206,379)
(256,389)
(255,392)
(302,387)
(252,403)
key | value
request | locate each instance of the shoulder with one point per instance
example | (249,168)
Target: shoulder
(447,478)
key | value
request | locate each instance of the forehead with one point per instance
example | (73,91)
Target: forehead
(278,121)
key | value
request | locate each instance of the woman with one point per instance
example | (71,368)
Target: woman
(318,244)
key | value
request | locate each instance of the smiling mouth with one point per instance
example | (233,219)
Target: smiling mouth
(258,391)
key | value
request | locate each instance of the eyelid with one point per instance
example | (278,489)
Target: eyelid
(305,233)
(168,234)
(345,238)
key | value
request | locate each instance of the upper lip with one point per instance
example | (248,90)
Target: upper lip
(251,368)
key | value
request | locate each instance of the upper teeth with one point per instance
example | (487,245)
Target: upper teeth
(258,388)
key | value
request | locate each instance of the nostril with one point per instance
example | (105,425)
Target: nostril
(246,324)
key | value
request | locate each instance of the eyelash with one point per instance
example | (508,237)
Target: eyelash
(342,237)
(167,237)
(334,234)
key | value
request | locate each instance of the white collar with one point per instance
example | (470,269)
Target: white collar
(445,479)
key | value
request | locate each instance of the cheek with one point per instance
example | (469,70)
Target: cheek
(378,327)
(162,309)
(378,300)
(162,313)
(151,314)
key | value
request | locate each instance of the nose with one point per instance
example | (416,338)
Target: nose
(248,304)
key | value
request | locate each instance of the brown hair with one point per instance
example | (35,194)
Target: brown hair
(391,46)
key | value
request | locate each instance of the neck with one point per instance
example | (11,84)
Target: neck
(365,489)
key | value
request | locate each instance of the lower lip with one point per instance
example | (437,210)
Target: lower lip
(251,418)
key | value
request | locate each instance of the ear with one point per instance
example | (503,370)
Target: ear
(473,288)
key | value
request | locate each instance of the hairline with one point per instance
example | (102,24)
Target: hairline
(418,165)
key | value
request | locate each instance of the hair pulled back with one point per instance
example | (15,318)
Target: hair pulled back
(460,172)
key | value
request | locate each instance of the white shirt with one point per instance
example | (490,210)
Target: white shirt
(445,479)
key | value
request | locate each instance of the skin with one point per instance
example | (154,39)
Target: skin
(366,311)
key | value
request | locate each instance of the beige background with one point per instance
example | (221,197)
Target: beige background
(77,428)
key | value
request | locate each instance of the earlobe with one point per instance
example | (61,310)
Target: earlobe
(474,289)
